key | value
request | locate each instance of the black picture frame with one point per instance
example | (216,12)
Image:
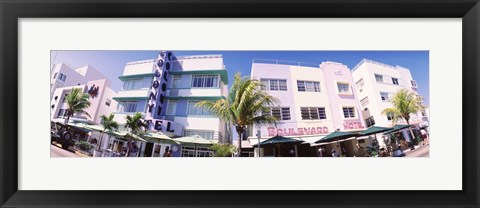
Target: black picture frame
(10,10)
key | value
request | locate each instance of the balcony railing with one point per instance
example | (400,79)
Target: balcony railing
(282,62)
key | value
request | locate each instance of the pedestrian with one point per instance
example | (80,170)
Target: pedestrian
(424,137)
(167,154)
(335,154)
(360,151)
(320,152)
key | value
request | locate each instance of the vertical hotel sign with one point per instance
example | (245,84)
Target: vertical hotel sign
(156,98)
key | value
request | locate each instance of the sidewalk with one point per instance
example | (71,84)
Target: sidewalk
(416,147)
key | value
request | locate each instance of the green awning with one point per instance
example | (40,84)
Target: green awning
(278,140)
(118,99)
(195,97)
(396,128)
(337,135)
(374,130)
(133,76)
(195,139)
(223,73)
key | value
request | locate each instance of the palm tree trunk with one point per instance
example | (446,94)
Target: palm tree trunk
(239,144)
(101,137)
(411,133)
(128,147)
(67,119)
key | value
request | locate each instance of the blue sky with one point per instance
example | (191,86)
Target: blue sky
(111,63)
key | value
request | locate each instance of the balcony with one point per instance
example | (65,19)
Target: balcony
(194,92)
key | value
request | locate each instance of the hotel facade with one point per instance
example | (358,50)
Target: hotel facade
(376,83)
(89,81)
(165,91)
(314,102)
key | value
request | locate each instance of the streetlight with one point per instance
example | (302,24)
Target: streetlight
(258,137)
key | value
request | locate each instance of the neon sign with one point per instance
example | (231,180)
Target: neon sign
(352,125)
(272,131)
(93,91)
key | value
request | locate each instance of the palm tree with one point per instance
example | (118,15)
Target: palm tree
(134,123)
(404,103)
(108,124)
(77,102)
(244,105)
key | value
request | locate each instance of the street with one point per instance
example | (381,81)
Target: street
(56,151)
(423,151)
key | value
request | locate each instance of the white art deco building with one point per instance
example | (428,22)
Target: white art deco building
(376,83)
(165,90)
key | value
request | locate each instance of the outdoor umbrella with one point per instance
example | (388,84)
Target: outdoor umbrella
(124,135)
(158,137)
(195,140)
(337,135)
(278,141)
(374,130)
(79,126)
(396,128)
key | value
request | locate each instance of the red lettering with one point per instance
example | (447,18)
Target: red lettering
(313,131)
(306,130)
(345,125)
(319,130)
(300,131)
(325,130)
(271,131)
(279,132)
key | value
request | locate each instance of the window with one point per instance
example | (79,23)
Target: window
(132,84)
(424,113)
(64,98)
(280,113)
(379,78)
(127,106)
(171,107)
(61,113)
(197,111)
(369,121)
(306,86)
(61,77)
(176,81)
(203,133)
(274,84)
(395,81)
(389,116)
(360,83)
(343,88)
(204,81)
(313,113)
(384,96)
(195,151)
(108,102)
(414,84)
(348,112)
(364,102)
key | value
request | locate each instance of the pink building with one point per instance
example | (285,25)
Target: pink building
(341,95)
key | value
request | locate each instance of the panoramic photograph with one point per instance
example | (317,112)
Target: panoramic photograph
(169,103)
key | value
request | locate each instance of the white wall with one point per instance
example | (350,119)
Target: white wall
(372,88)
(294,99)
(139,67)
(194,63)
